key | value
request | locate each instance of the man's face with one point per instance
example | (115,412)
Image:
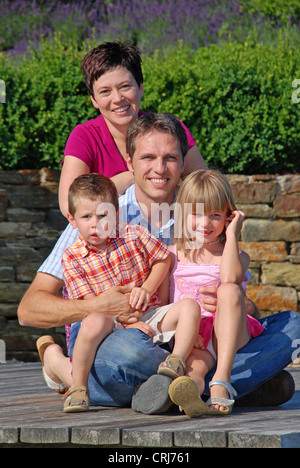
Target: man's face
(157,165)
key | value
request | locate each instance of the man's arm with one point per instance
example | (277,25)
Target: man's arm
(41,307)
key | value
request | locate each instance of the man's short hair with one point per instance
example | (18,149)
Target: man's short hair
(147,123)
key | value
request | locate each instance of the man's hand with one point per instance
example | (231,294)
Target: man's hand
(118,299)
(210,301)
(144,327)
(209,298)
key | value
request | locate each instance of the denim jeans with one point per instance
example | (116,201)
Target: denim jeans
(129,357)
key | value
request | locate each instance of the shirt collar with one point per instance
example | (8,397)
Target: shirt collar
(130,210)
(83,248)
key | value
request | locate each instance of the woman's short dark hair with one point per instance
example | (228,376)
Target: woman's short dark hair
(108,56)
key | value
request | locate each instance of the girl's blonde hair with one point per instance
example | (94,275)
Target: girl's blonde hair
(209,187)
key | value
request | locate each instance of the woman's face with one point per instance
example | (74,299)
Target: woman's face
(118,97)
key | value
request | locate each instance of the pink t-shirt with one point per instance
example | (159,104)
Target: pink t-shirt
(93,144)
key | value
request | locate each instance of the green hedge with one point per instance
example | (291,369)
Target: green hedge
(236,99)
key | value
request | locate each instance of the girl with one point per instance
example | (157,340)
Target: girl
(206,253)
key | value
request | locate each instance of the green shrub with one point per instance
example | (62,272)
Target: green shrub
(45,98)
(235,99)
(285,11)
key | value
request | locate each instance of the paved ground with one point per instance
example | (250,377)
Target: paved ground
(31,416)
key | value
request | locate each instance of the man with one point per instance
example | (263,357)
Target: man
(127,357)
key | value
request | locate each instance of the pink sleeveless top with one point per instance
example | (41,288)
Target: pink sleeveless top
(185,281)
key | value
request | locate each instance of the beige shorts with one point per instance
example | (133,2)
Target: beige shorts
(153,316)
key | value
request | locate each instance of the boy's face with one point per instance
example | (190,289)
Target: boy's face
(95,220)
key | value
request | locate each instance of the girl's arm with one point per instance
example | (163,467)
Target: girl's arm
(139,297)
(234,263)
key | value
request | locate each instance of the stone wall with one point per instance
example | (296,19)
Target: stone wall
(30,223)
(271,236)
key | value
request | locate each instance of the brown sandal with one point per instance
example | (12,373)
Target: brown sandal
(173,366)
(76,399)
(42,344)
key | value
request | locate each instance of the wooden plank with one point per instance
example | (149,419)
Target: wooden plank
(32,413)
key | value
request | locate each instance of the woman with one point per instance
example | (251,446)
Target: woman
(114,80)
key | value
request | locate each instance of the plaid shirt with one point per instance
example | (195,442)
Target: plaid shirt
(128,257)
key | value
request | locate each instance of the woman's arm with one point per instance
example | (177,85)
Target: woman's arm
(72,167)
(123,181)
(193,161)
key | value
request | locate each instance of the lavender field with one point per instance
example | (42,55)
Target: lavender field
(229,69)
(151,24)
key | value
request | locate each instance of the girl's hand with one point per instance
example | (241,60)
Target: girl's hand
(199,343)
(234,223)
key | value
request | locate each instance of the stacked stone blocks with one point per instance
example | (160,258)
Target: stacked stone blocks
(30,223)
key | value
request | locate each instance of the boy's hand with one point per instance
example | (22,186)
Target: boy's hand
(139,298)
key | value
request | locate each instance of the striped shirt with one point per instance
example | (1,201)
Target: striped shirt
(128,257)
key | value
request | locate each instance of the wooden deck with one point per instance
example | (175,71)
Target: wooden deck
(31,416)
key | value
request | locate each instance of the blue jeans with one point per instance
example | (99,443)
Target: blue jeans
(129,357)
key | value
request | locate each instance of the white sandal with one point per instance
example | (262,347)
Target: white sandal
(229,403)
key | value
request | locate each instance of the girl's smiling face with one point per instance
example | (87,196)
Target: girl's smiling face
(205,228)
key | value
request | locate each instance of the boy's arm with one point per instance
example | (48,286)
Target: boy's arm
(139,297)
(164,288)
